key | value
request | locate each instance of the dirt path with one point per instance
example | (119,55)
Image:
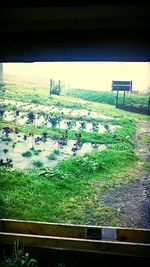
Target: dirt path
(133,200)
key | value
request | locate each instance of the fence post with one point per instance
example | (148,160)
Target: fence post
(124,97)
(117,97)
(51,85)
(149,103)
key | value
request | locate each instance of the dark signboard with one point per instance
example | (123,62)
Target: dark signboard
(121,85)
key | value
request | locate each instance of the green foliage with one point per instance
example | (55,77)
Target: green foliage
(37,163)
(5,150)
(108,97)
(6,139)
(56,152)
(53,173)
(18,259)
(37,152)
(66,192)
(27,154)
(2,88)
(31,117)
(54,120)
(52,156)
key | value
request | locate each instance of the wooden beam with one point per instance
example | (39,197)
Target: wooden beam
(102,247)
(133,235)
(74,231)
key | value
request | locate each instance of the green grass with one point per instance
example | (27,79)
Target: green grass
(19,93)
(68,200)
(108,97)
(70,193)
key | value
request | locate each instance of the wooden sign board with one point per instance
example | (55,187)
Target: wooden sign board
(121,85)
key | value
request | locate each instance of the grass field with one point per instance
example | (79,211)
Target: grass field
(108,97)
(70,192)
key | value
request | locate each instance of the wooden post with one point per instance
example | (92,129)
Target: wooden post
(32,140)
(15,126)
(149,103)
(59,87)
(1,74)
(124,97)
(51,85)
(117,97)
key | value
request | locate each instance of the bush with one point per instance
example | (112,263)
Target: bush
(27,154)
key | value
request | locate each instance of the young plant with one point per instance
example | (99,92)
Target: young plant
(37,163)
(18,258)
(5,150)
(27,154)
(52,156)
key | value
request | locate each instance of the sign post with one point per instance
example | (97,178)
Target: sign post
(122,86)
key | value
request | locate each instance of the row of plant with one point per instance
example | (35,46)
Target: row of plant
(56,133)
(35,97)
(62,101)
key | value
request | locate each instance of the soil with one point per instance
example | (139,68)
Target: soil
(133,200)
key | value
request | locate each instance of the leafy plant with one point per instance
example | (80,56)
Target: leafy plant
(18,258)
(37,163)
(54,120)
(5,150)
(53,173)
(30,117)
(27,154)
(37,152)
(52,156)
(56,152)
(6,139)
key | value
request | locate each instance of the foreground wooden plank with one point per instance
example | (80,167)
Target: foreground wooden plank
(101,246)
(42,228)
(74,231)
(133,235)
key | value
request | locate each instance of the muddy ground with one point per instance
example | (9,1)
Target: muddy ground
(133,199)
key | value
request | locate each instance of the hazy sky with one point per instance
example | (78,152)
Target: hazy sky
(88,75)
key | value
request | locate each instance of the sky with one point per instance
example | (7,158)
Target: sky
(85,75)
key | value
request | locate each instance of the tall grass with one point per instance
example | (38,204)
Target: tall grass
(108,97)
